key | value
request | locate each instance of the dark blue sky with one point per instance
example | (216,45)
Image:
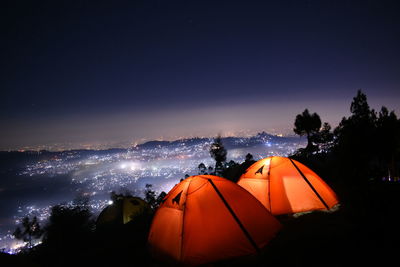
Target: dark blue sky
(102,71)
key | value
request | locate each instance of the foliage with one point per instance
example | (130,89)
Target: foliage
(364,145)
(234,170)
(388,141)
(151,197)
(69,225)
(355,139)
(30,230)
(218,153)
(307,124)
(202,169)
(249,157)
(324,138)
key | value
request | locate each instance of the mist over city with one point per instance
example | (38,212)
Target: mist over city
(42,179)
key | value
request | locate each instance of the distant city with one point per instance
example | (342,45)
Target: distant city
(49,178)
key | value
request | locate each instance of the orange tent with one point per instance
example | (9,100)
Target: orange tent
(284,186)
(207,218)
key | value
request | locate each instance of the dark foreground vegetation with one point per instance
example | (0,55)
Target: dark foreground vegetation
(359,160)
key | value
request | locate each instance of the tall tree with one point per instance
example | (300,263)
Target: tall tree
(150,196)
(218,153)
(307,124)
(359,107)
(354,139)
(388,138)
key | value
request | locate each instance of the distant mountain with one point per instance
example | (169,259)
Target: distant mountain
(229,142)
(180,142)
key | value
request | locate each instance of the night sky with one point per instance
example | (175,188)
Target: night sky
(127,71)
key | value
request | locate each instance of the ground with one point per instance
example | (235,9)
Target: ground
(363,231)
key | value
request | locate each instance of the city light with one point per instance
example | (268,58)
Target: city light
(96,174)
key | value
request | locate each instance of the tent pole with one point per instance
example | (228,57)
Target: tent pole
(309,184)
(247,234)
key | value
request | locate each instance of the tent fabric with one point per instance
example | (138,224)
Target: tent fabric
(133,207)
(124,210)
(207,218)
(284,185)
(109,215)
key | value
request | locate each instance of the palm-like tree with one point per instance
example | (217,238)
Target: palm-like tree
(307,124)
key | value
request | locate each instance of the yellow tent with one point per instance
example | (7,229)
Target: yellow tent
(123,210)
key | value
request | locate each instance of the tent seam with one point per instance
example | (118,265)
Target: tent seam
(269,184)
(183,220)
(235,217)
(309,184)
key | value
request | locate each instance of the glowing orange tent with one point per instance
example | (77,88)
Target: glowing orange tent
(207,218)
(284,186)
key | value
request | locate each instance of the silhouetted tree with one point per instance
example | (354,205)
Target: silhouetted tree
(388,138)
(202,169)
(231,164)
(218,153)
(69,225)
(249,157)
(234,170)
(160,198)
(151,197)
(307,124)
(324,138)
(360,109)
(30,230)
(210,170)
(354,138)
